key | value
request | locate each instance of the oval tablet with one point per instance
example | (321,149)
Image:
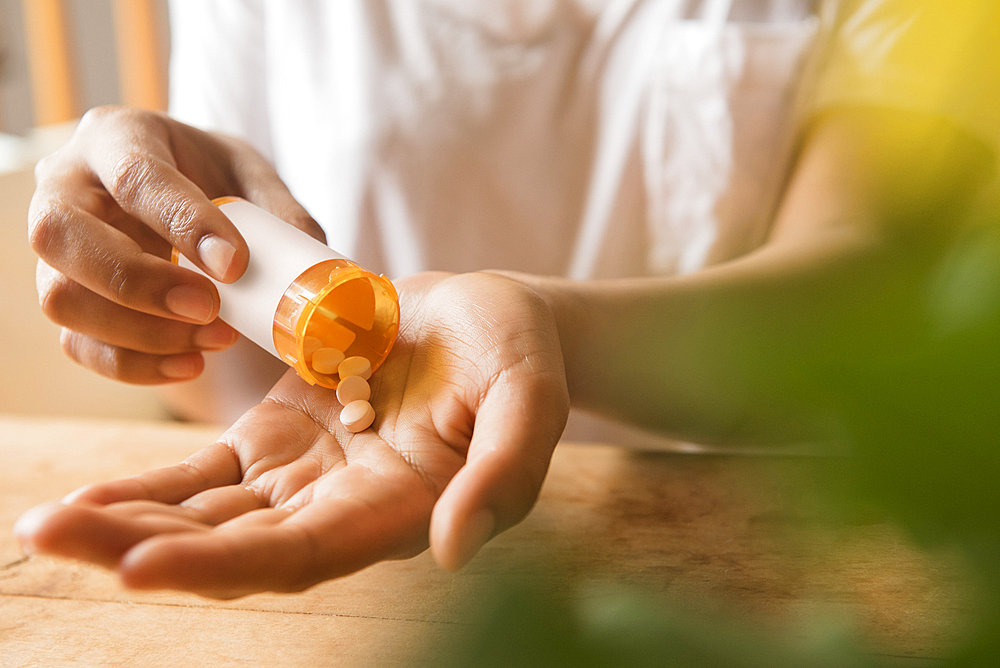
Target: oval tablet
(326,360)
(355,366)
(357,416)
(353,388)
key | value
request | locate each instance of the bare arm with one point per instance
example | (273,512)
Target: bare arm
(759,349)
(474,396)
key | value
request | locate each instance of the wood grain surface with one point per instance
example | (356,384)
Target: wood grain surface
(742,536)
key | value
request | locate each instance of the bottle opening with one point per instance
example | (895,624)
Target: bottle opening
(342,306)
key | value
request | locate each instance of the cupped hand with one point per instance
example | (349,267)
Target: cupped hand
(469,404)
(108,208)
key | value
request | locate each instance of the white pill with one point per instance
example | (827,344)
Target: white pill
(357,416)
(353,388)
(355,366)
(310,346)
(327,360)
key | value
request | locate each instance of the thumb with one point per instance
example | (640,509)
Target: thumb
(517,426)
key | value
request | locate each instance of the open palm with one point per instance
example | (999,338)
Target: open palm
(469,406)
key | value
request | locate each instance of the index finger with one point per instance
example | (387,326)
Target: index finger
(382,518)
(214,466)
(80,529)
(139,171)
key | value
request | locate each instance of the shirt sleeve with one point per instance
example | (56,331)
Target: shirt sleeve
(930,56)
(218,68)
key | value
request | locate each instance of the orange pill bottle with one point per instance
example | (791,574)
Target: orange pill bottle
(296,287)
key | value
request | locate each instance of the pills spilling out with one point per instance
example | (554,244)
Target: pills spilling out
(328,360)
(355,366)
(353,390)
(357,416)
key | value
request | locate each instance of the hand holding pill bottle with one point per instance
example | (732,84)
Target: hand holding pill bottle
(302,302)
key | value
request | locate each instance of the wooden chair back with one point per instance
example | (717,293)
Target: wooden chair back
(51,58)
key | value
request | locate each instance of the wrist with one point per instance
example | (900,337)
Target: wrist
(565,301)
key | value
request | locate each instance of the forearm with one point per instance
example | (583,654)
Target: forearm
(766,348)
(746,352)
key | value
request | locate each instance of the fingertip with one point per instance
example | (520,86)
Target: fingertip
(39,529)
(309,225)
(198,304)
(455,543)
(175,562)
(141,567)
(224,260)
(216,335)
(185,366)
(30,524)
(97,494)
(85,493)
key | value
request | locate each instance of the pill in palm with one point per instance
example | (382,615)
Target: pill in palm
(327,360)
(355,366)
(357,416)
(353,388)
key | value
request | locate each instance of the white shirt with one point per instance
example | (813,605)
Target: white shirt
(585,138)
(588,138)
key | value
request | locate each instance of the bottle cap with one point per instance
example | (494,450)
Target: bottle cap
(342,305)
(298,294)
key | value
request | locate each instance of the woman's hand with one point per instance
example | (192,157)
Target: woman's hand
(469,406)
(109,206)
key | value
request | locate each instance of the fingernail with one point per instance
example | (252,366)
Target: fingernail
(215,336)
(25,526)
(74,495)
(477,531)
(217,254)
(188,301)
(180,367)
(30,522)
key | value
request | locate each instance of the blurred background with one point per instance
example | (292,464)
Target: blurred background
(924,421)
(58,58)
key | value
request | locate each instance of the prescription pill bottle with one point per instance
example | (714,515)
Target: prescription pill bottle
(296,290)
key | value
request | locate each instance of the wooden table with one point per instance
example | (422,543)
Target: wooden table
(727,533)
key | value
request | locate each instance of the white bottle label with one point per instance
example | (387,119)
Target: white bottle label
(279,253)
